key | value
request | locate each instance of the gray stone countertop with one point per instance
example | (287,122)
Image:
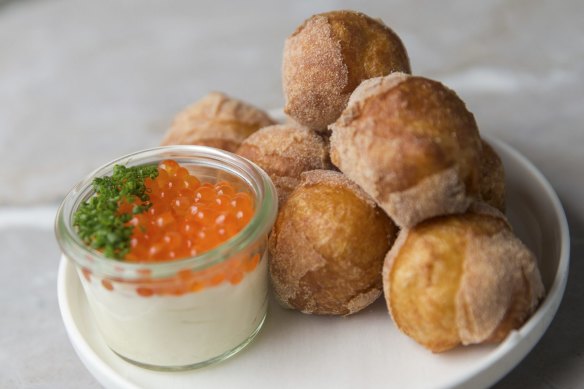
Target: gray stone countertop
(84,82)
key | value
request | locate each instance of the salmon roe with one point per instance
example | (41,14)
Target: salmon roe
(186,217)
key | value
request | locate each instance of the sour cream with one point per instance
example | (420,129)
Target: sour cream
(193,329)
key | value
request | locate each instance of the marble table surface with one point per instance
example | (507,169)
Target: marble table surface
(84,82)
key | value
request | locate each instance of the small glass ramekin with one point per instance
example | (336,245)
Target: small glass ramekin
(186,313)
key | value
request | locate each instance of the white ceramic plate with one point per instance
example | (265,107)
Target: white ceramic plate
(365,350)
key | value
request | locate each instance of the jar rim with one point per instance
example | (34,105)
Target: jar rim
(260,224)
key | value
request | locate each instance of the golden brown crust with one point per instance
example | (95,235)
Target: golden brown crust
(412,145)
(327,246)
(217,121)
(328,56)
(460,279)
(492,178)
(284,152)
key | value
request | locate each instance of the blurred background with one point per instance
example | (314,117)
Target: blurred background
(84,82)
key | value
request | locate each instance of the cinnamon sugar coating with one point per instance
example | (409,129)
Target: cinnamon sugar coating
(328,245)
(285,151)
(216,120)
(460,279)
(328,56)
(492,178)
(412,145)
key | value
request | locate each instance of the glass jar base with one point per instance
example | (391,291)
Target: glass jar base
(198,365)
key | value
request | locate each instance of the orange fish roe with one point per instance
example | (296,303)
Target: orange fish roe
(231,271)
(187,217)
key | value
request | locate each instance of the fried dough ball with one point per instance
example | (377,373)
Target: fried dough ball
(328,245)
(328,56)
(492,178)
(460,279)
(284,152)
(217,121)
(412,145)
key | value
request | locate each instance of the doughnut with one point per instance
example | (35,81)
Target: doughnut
(328,245)
(216,120)
(412,145)
(284,152)
(328,56)
(460,279)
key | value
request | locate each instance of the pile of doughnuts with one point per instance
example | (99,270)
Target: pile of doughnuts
(385,187)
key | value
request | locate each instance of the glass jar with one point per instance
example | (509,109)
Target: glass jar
(185,313)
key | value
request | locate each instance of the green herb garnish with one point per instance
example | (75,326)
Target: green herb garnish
(99,222)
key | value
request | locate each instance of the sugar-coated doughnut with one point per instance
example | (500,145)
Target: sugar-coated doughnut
(216,120)
(412,145)
(285,151)
(328,56)
(460,279)
(328,245)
